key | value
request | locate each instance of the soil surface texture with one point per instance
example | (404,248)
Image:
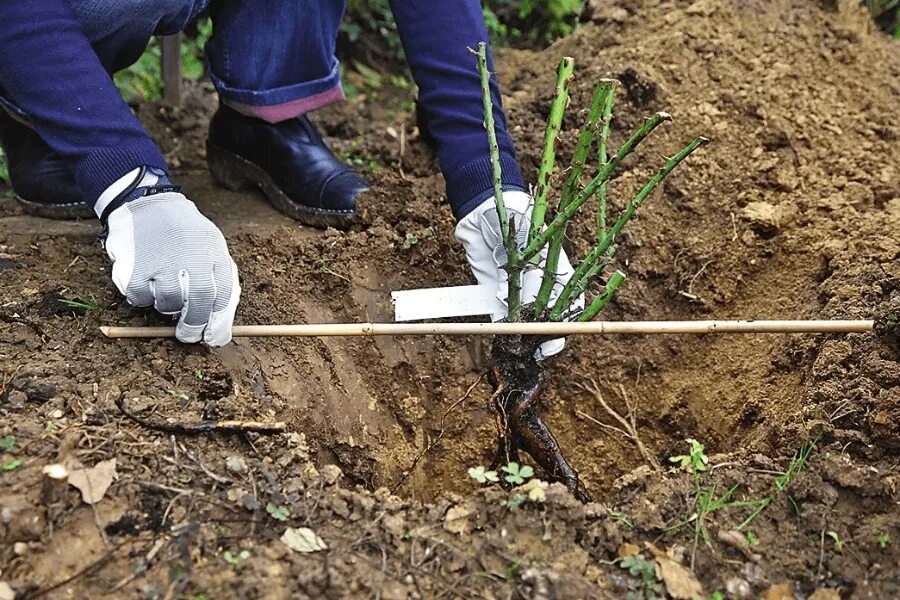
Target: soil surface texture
(792,211)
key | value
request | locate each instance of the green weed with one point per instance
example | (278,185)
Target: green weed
(517,474)
(651,587)
(83,304)
(838,542)
(8,444)
(11,465)
(279,513)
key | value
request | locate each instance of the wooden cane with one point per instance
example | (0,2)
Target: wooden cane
(542,329)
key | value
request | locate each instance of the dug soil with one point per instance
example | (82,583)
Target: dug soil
(792,211)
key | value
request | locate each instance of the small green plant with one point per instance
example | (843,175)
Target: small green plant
(622,518)
(695,461)
(235,559)
(517,474)
(651,587)
(781,483)
(84,304)
(279,513)
(751,538)
(482,475)
(838,542)
(8,444)
(883,540)
(11,465)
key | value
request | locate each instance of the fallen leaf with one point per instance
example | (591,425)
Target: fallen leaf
(680,582)
(781,591)
(457,519)
(303,539)
(93,482)
(628,549)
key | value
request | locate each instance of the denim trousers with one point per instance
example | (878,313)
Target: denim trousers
(277,56)
(274,59)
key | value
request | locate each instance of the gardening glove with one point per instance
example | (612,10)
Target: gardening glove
(167,255)
(479,233)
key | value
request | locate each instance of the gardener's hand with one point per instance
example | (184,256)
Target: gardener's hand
(479,233)
(167,255)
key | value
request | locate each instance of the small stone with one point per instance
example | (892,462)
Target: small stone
(6,592)
(738,588)
(20,548)
(331,474)
(56,414)
(236,464)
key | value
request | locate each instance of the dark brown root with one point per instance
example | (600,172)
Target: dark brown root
(518,381)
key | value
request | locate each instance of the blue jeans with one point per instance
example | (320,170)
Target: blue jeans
(262,53)
(273,58)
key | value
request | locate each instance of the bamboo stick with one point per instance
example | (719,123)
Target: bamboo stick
(550,329)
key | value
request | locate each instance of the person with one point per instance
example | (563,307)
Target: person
(74,148)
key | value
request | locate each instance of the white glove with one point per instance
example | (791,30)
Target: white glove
(479,233)
(167,255)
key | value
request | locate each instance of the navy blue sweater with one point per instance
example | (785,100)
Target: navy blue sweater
(50,72)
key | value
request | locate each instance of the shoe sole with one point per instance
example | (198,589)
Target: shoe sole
(60,212)
(236,173)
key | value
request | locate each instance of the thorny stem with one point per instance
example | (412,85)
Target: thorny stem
(554,124)
(513,257)
(615,281)
(597,267)
(600,249)
(579,159)
(565,214)
(606,117)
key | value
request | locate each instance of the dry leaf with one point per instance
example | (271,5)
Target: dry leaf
(457,519)
(680,582)
(94,481)
(303,539)
(628,549)
(782,591)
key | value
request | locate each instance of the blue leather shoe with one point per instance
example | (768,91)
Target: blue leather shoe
(289,162)
(42,179)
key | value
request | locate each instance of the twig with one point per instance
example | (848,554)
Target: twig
(628,425)
(7,381)
(81,573)
(228,426)
(437,440)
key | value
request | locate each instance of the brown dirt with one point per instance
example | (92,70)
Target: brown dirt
(792,211)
